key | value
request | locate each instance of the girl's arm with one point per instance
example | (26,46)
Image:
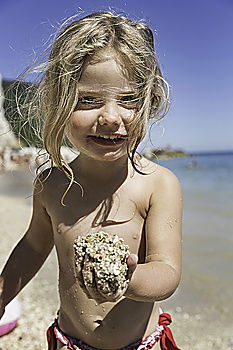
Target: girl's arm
(159,276)
(28,255)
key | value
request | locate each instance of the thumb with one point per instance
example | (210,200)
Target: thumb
(132,264)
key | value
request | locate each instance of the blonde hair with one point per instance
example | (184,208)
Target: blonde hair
(57,94)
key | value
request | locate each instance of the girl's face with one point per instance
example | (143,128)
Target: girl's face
(106,106)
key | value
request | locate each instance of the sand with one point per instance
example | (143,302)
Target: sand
(195,327)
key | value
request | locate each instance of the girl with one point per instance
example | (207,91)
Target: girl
(101,85)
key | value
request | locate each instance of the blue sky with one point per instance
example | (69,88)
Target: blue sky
(195,49)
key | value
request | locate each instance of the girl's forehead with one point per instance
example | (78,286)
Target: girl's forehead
(105,72)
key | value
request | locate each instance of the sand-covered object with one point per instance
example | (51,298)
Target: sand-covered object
(105,266)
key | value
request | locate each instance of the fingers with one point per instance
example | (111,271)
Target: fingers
(132,264)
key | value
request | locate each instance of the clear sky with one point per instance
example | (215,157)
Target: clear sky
(194,43)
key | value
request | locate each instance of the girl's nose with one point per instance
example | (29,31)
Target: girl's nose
(110,114)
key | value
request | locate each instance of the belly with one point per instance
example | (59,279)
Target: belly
(106,325)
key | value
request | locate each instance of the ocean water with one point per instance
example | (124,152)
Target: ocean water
(207,282)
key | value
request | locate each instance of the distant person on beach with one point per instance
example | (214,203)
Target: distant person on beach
(102,83)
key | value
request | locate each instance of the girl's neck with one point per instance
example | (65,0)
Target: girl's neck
(89,168)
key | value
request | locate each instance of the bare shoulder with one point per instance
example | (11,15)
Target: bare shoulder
(159,178)
(48,183)
(51,174)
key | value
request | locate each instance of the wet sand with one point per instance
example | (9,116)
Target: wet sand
(202,316)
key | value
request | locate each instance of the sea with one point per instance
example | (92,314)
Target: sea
(207,280)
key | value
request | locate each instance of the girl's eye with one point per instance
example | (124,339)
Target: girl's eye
(88,100)
(129,100)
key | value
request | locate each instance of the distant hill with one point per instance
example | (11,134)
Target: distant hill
(165,153)
(21,129)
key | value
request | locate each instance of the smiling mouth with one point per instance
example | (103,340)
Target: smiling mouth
(108,140)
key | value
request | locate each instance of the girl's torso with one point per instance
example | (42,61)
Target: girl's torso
(117,209)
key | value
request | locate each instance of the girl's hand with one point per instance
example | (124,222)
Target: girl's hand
(87,281)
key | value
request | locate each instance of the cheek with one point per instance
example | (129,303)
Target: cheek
(75,128)
(128,117)
(79,123)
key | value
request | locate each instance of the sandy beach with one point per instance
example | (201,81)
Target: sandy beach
(196,324)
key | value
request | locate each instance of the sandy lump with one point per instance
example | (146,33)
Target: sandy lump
(105,261)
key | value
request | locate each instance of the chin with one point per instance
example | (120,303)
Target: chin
(108,157)
(112,158)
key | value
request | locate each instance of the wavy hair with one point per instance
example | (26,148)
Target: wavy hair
(57,94)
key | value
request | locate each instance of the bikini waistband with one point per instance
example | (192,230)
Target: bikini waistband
(162,333)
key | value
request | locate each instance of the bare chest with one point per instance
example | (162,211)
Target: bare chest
(118,214)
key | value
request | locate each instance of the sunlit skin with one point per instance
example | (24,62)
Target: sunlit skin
(145,210)
(106,107)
